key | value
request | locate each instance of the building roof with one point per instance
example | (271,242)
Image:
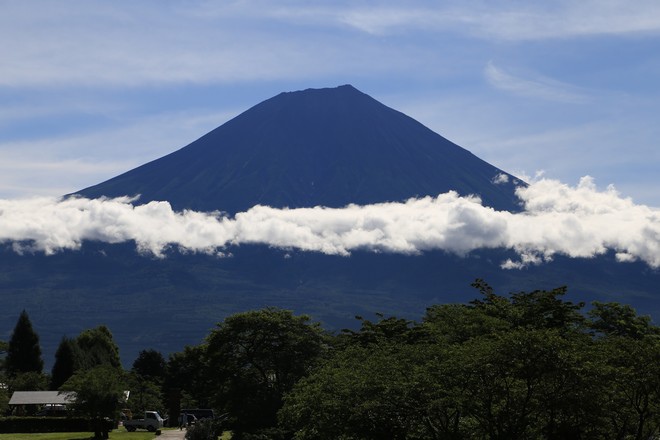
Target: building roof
(41,397)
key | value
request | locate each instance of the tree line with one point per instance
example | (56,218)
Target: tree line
(527,365)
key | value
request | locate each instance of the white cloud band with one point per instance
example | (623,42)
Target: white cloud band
(576,221)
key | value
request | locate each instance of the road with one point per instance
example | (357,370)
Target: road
(171,434)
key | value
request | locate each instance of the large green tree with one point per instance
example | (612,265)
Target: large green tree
(614,319)
(254,358)
(368,392)
(628,381)
(99,392)
(150,364)
(519,384)
(536,309)
(146,394)
(24,351)
(146,383)
(97,347)
(186,383)
(91,348)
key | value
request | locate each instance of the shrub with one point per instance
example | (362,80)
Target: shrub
(204,429)
(45,424)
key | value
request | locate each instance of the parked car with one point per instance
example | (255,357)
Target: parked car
(152,421)
(189,420)
(200,413)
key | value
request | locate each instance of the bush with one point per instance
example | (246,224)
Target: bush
(45,424)
(264,434)
(204,429)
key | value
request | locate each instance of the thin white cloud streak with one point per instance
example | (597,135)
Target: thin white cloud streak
(566,19)
(504,20)
(579,221)
(540,87)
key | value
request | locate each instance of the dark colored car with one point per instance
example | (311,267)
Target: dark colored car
(200,413)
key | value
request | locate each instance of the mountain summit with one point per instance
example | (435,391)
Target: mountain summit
(328,147)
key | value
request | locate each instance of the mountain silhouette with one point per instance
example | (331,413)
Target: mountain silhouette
(328,147)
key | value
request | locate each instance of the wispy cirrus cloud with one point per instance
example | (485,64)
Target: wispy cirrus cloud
(579,221)
(506,20)
(538,87)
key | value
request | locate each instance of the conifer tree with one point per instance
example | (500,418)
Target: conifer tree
(24,352)
(65,363)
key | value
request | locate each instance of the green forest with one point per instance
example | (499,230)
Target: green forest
(525,365)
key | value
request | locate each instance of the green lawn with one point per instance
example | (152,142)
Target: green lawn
(117,434)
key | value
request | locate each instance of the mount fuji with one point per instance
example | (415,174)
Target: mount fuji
(318,147)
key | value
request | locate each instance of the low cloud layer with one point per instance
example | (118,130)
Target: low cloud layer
(579,221)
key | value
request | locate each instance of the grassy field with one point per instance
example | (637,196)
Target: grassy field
(117,434)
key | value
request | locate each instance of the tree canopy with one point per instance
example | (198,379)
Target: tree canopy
(149,364)
(99,392)
(24,351)
(529,365)
(255,358)
(97,347)
(65,363)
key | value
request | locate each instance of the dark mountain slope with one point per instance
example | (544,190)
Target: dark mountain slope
(327,147)
(168,303)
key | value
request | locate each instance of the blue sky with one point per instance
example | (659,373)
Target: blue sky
(89,89)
